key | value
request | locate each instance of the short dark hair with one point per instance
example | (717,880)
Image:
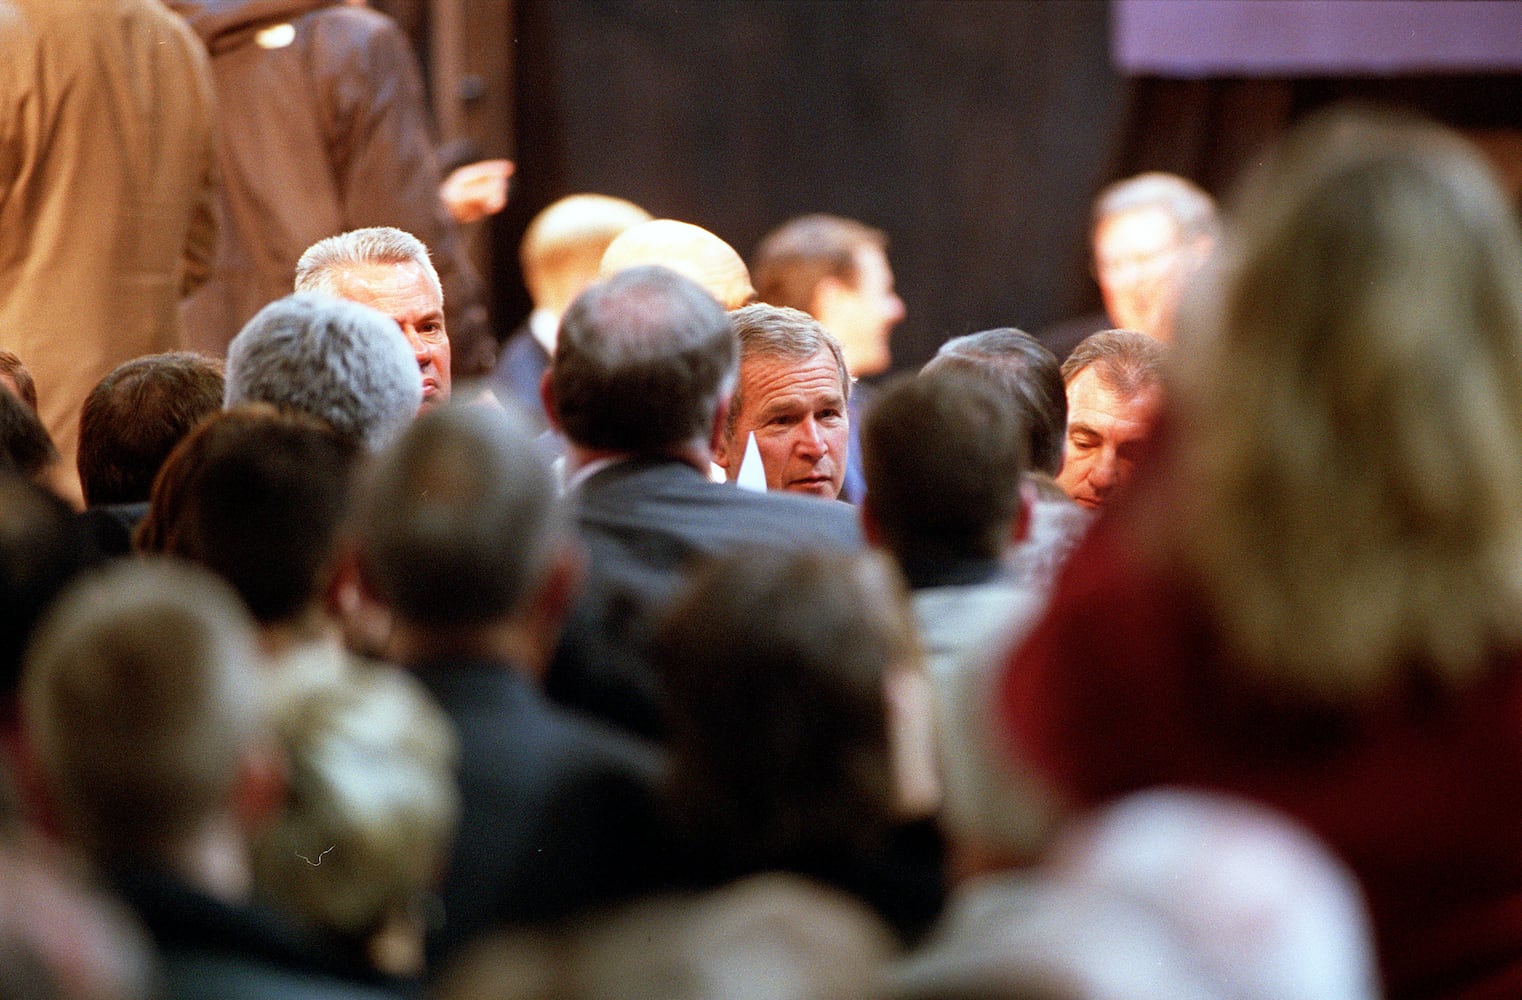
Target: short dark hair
(135,416)
(12,365)
(25,445)
(774,665)
(1029,373)
(944,455)
(642,361)
(768,331)
(792,259)
(42,548)
(257,495)
(461,519)
(1126,362)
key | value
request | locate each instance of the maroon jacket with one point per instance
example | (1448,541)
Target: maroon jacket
(323,127)
(1124,685)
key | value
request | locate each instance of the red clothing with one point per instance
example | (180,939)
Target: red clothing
(1124,685)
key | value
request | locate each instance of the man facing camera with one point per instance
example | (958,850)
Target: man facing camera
(387,270)
(792,400)
(1114,383)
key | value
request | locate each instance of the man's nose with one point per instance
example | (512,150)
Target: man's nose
(415,341)
(1105,471)
(811,440)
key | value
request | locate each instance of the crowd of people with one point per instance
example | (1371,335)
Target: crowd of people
(659,651)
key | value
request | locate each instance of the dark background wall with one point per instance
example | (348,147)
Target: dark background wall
(975,132)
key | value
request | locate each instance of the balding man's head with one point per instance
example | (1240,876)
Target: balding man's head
(644,359)
(690,251)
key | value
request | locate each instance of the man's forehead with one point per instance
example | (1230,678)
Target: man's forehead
(771,381)
(1092,403)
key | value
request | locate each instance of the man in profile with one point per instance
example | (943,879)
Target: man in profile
(640,386)
(791,401)
(390,271)
(837,271)
(1114,385)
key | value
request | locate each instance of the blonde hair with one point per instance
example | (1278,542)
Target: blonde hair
(1349,401)
(142,692)
(372,804)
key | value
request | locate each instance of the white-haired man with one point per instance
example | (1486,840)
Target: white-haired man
(388,270)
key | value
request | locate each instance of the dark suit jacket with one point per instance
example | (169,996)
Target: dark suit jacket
(558,812)
(644,522)
(516,376)
(212,950)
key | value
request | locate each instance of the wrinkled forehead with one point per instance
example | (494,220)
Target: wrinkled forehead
(767,378)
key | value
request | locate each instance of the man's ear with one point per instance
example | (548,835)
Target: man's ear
(261,784)
(550,605)
(547,400)
(718,438)
(828,292)
(871,528)
(1020,527)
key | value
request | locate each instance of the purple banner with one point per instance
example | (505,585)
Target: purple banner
(1196,38)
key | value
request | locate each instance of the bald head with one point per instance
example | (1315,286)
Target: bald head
(690,251)
(562,248)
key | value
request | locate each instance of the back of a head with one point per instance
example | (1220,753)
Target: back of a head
(140,694)
(1190,207)
(1125,361)
(792,259)
(690,251)
(773,936)
(1026,371)
(372,804)
(944,455)
(135,416)
(774,665)
(338,361)
(1165,894)
(257,496)
(25,445)
(563,247)
(323,264)
(1359,349)
(643,359)
(461,520)
(42,548)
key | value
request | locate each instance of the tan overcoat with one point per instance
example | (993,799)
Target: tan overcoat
(106,181)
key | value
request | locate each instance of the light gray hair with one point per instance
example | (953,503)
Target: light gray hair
(322,265)
(1190,207)
(336,360)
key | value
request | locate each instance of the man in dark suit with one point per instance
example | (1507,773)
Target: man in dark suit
(640,387)
(464,536)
